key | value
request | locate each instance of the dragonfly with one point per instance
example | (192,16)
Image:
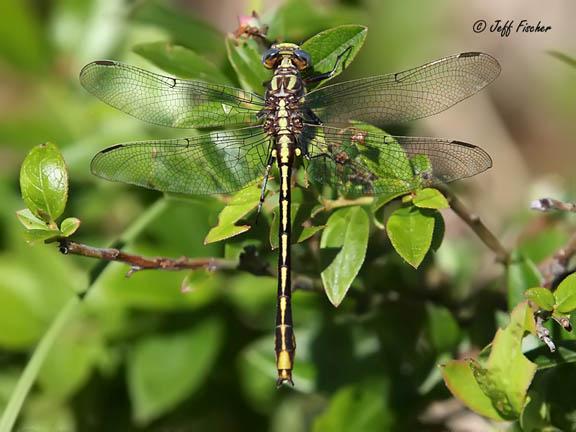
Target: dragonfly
(327,130)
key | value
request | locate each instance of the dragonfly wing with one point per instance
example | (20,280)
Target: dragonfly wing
(168,101)
(214,163)
(412,94)
(359,162)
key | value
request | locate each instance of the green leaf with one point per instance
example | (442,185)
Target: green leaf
(521,274)
(325,47)
(343,249)
(410,230)
(443,328)
(239,206)
(69,226)
(165,369)
(565,294)
(184,29)
(246,59)
(459,378)
(31,221)
(44,182)
(180,61)
(507,374)
(510,371)
(542,297)
(430,198)
(361,407)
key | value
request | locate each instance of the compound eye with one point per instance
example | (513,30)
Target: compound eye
(270,58)
(302,59)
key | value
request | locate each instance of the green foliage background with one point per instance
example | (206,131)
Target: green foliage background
(142,355)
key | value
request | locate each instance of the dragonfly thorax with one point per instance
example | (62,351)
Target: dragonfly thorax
(283,97)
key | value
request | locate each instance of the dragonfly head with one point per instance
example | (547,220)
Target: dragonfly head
(286,54)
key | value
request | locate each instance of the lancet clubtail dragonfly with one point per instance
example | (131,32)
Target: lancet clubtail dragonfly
(287,124)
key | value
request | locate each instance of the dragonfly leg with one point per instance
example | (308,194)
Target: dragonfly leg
(330,73)
(271,161)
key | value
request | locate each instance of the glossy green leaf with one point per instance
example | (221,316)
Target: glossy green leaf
(361,407)
(505,377)
(183,28)
(165,369)
(69,226)
(509,370)
(239,206)
(343,249)
(181,62)
(521,274)
(430,198)
(443,328)
(565,294)
(410,230)
(459,378)
(325,47)
(44,182)
(542,297)
(246,59)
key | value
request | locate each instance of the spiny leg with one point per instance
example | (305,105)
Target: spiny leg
(330,73)
(271,160)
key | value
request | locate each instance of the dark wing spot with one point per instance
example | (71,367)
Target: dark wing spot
(465,144)
(114,147)
(173,82)
(470,54)
(105,62)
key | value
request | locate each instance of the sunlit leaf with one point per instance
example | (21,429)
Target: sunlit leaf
(459,378)
(44,182)
(69,226)
(410,230)
(430,198)
(325,47)
(565,294)
(542,297)
(239,206)
(31,221)
(343,249)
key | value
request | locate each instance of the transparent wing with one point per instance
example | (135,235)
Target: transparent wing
(218,162)
(168,101)
(403,96)
(369,162)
